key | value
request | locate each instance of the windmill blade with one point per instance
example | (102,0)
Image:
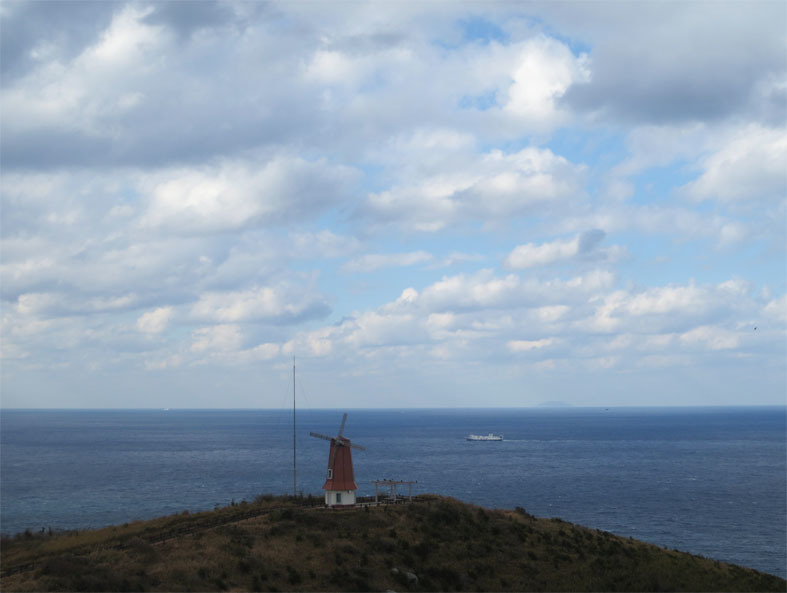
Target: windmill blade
(320,436)
(341,428)
(354,446)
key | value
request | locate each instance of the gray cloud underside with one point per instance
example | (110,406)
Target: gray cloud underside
(67,26)
(676,67)
(655,64)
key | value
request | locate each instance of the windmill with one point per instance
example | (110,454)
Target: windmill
(339,484)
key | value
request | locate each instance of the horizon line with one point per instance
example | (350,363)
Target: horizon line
(529,407)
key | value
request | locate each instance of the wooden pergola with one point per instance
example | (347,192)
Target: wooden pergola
(393,484)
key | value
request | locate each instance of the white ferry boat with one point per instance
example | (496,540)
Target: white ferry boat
(485,437)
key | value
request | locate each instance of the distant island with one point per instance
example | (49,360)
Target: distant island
(294,544)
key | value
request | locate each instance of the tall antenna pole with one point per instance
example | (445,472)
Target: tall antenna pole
(293,429)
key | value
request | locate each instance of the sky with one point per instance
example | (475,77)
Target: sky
(424,204)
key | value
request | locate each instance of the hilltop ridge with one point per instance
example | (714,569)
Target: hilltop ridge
(436,543)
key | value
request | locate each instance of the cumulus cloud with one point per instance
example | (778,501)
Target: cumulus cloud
(670,299)
(283,303)
(584,246)
(232,196)
(751,167)
(673,325)
(485,290)
(155,321)
(165,111)
(68,98)
(545,69)
(670,309)
(530,254)
(494,187)
(136,95)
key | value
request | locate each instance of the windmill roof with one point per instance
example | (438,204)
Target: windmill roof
(343,478)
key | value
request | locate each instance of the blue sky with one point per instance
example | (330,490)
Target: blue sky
(446,204)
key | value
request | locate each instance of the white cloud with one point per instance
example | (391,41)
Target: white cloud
(591,325)
(552,313)
(330,67)
(460,317)
(22,271)
(267,351)
(732,233)
(495,187)
(530,345)
(384,330)
(777,309)
(742,166)
(713,338)
(318,342)
(585,246)
(282,303)
(35,303)
(752,166)
(155,321)
(223,348)
(530,254)
(375,261)
(430,144)
(485,290)
(545,69)
(222,338)
(125,40)
(670,299)
(234,195)
(673,308)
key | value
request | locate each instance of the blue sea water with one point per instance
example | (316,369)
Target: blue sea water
(710,481)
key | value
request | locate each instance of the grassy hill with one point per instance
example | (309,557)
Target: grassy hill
(436,543)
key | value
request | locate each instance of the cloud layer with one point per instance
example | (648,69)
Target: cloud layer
(429,205)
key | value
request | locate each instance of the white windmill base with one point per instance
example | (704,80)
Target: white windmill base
(339,498)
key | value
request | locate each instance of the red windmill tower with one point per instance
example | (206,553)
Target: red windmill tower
(340,483)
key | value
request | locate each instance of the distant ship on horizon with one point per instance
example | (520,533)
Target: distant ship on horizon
(484,437)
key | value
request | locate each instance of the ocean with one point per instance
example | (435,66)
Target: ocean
(710,481)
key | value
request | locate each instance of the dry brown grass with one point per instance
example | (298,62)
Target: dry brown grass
(449,545)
